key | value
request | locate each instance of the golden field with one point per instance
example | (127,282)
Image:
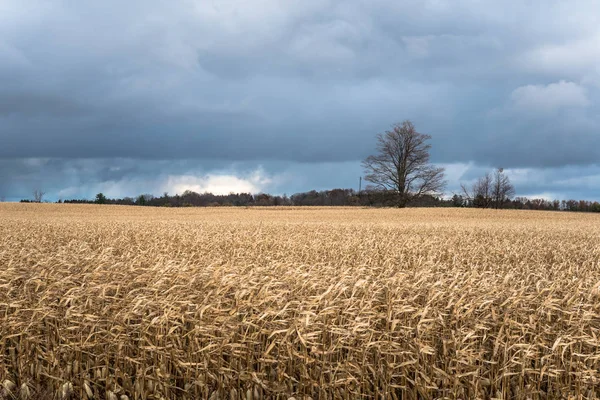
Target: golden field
(123,303)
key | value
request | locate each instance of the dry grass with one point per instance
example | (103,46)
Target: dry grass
(151,303)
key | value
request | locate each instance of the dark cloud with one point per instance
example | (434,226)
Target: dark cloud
(300,85)
(26,105)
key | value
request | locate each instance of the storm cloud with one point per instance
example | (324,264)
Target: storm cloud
(279,96)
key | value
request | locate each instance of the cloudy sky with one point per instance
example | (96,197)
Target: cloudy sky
(148,96)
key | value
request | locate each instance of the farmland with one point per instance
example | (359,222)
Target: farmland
(146,303)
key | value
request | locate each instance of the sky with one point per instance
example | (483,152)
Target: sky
(149,96)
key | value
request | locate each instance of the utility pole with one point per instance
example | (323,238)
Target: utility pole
(359,184)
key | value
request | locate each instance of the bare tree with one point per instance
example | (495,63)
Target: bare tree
(38,195)
(502,190)
(482,191)
(490,190)
(402,164)
(480,194)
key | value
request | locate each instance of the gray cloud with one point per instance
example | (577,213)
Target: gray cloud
(295,87)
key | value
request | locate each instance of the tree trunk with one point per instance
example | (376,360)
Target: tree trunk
(402,201)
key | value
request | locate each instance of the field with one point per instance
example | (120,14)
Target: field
(222,303)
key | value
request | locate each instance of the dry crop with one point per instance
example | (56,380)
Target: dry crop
(146,303)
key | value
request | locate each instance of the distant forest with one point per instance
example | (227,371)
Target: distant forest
(335,197)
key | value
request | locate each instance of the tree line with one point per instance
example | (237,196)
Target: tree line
(335,197)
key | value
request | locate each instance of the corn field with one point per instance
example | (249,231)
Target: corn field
(115,302)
